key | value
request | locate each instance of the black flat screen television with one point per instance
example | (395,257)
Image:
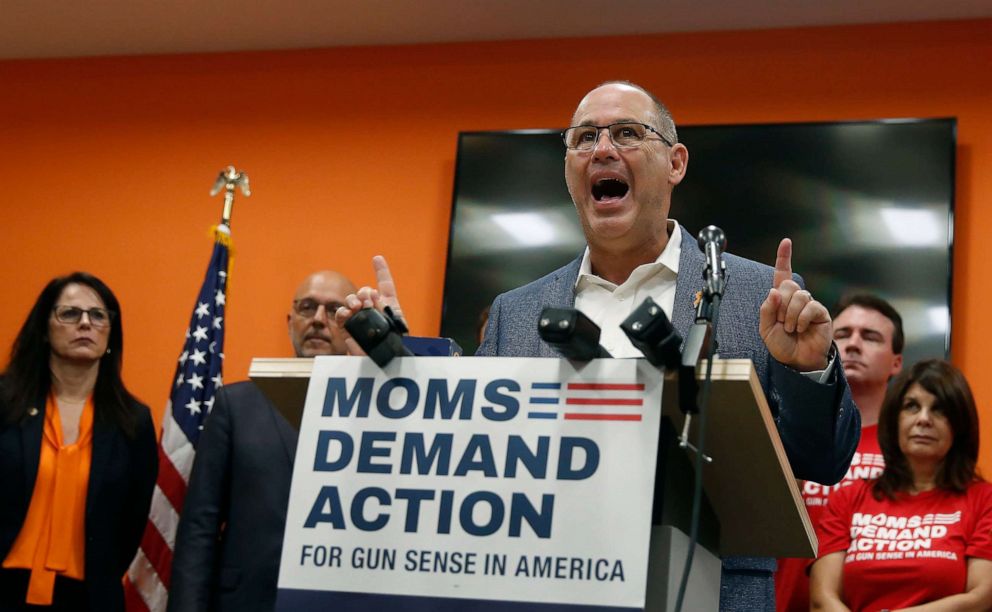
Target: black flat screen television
(869,206)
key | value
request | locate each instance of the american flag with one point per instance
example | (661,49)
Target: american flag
(194,384)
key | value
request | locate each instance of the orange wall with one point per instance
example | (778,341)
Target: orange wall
(105,163)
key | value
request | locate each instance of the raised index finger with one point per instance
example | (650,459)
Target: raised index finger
(783,263)
(384,278)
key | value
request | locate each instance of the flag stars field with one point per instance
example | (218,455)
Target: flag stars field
(193,406)
(195,381)
(200,334)
(199,357)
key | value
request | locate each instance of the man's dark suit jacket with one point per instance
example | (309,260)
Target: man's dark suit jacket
(818,423)
(122,478)
(230,533)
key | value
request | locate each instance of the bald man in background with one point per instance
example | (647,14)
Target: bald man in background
(230,533)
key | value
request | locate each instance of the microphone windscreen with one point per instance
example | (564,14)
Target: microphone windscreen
(714,234)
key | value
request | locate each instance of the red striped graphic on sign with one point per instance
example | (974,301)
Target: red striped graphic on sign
(603,401)
(576,416)
(605,387)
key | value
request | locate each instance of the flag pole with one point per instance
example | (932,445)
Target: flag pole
(227,181)
(193,387)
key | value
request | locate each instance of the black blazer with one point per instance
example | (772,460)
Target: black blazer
(122,478)
(229,540)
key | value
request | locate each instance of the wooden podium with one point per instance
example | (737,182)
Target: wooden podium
(752,504)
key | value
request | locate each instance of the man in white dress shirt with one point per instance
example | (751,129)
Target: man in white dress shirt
(622,161)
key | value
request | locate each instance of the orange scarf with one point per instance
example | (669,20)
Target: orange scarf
(52,539)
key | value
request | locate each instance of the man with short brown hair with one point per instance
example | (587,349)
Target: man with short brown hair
(869,336)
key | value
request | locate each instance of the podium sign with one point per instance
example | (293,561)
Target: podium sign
(482,484)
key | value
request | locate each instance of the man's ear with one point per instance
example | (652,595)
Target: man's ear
(896,366)
(679,156)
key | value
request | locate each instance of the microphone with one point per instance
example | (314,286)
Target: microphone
(700,342)
(650,331)
(572,333)
(713,242)
(379,334)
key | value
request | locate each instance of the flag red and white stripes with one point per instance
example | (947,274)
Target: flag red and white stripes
(197,377)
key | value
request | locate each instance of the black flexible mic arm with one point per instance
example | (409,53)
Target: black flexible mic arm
(701,342)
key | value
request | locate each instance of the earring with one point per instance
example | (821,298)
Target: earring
(108,351)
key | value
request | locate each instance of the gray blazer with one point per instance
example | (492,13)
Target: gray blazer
(818,423)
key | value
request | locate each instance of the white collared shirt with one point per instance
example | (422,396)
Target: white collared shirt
(608,304)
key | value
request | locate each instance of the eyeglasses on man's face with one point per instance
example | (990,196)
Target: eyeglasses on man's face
(71,315)
(623,135)
(307,307)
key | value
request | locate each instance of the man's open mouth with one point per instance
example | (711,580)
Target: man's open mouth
(609,189)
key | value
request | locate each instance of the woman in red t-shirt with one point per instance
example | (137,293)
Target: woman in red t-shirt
(921,534)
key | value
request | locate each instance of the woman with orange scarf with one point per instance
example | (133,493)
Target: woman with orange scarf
(78,457)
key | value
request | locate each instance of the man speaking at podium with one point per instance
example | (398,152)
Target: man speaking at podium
(622,162)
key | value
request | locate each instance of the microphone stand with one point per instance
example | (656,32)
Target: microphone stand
(700,343)
(701,340)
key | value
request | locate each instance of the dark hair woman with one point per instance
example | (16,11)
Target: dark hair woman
(78,457)
(920,536)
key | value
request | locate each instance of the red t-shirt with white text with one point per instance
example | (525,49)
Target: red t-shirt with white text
(909,551)
(791,579)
